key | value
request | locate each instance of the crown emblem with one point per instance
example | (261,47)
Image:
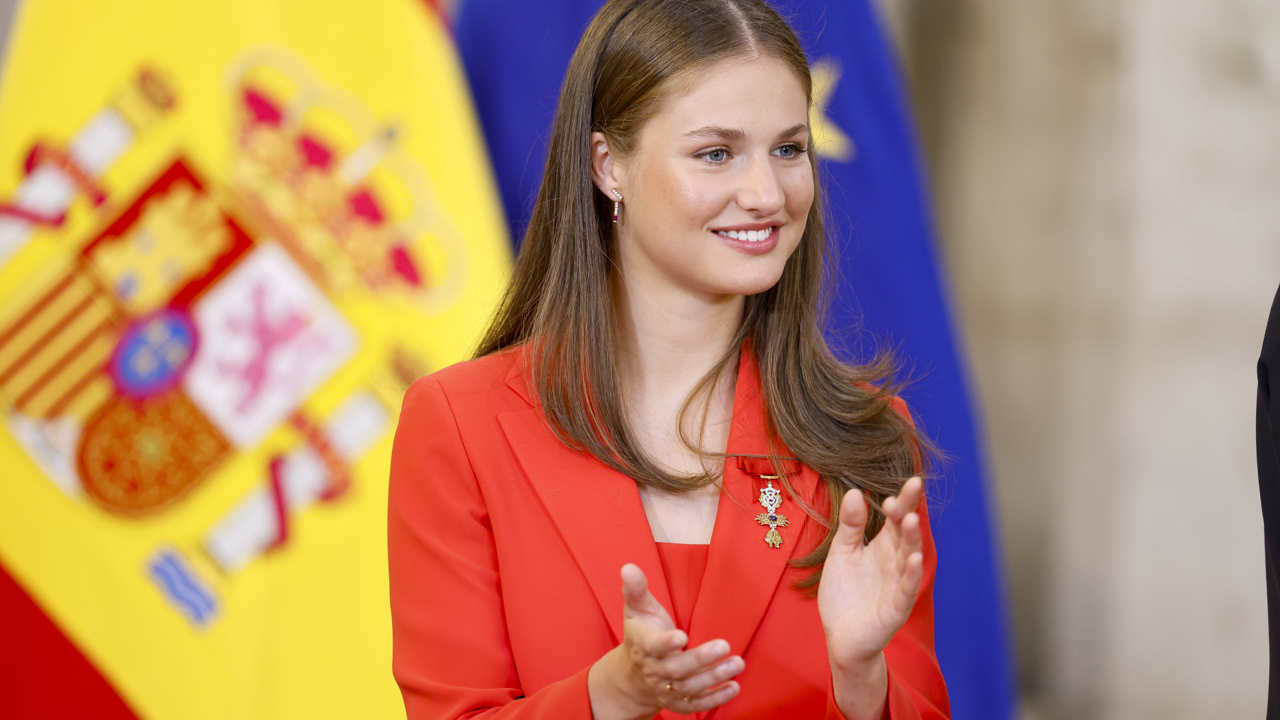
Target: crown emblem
(314,171)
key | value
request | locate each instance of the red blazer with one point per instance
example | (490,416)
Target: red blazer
(505,546)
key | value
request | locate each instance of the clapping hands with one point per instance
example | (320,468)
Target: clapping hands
(867,593)
(650,670)
(868,589)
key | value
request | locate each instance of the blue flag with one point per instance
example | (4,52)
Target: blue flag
(516,55)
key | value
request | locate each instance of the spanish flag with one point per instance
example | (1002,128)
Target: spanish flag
(230,234)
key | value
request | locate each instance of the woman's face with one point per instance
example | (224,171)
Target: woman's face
(719,185)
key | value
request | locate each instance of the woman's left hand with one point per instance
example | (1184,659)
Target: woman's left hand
(868,589)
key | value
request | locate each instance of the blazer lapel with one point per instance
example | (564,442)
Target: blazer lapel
(596,509)
(743,572)
(599,514)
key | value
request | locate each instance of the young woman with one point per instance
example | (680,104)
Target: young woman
(655,491)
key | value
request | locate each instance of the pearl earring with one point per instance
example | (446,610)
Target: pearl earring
(617,203)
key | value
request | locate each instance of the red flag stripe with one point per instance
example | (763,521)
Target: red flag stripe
(42,673)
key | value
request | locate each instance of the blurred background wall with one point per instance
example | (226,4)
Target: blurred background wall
(1105,180)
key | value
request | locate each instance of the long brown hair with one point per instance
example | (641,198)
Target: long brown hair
(834,417)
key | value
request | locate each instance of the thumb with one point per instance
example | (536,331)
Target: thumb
(853,520)
(636,597)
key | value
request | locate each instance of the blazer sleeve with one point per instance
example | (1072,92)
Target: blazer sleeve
(917,690)
(450,653)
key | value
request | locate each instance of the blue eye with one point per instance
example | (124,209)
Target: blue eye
(715,155)
(790,150)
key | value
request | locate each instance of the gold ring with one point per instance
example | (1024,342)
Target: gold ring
(668,687)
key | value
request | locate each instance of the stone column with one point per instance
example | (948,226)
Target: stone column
(1106,178)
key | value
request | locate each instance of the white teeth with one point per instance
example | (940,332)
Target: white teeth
(746,235)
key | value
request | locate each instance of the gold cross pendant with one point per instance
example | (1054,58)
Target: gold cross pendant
(771,499)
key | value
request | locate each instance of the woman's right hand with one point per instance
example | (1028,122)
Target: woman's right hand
(650,671)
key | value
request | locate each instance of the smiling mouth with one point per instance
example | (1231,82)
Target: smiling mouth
(751,236)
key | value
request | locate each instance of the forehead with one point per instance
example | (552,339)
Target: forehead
(749,93)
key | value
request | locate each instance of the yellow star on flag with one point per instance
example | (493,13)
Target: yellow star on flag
(829,140)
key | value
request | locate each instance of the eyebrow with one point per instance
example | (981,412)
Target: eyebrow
(736,134)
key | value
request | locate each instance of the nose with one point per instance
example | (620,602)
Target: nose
(760,191)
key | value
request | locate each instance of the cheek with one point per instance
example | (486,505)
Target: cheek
(683,195)
(799,189)
(694,198)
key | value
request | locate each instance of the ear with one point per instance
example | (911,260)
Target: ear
(606,172)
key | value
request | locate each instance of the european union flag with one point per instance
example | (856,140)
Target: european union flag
(515,56)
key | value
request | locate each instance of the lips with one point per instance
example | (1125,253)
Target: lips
(747,235)
(752,241)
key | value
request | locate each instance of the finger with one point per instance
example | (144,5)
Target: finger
(889,506)
(908,499)
(707,700)
(686,664)
(636,597)
(909,585)
(911,539)
(634,584)
(709,677)
(649,641)
(909,496)
(853,520)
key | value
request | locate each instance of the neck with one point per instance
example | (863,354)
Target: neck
(668,340)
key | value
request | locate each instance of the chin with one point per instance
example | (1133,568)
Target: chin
(753,285)
(757,289)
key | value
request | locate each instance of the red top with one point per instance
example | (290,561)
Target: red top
(505,546)
(683,564)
